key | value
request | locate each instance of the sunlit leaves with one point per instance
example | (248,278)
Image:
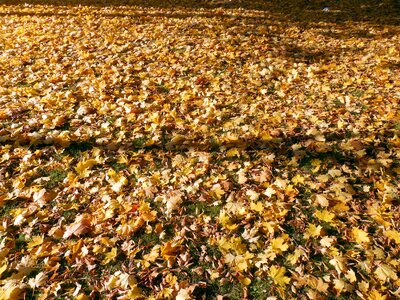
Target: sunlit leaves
(385,272)
(360,236)
(278,275)
(156,153)
(81,225)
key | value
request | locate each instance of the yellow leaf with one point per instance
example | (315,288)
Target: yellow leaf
(351,276)
(36,241)
(153,255)
(375,295)
(253,195)
(278,275)
(10,291)
(269,192)
(242,178)
(257,207)
(385,272)
(325,216)
(184,294)
(313,231)
(279,245)
(339,285)
(322,201)
(318,284)
(170,250)
(232,152)
(81,297)
(116,180)
(293,258)
(226,221)
(394,235)
(3,268)
(298,179)
(326,241)
(341,207)
(135,293)
(218,191)
(363,286)
(339,263)
(82,167)
(245,280)
(110,256)
(39,280)
(360,236)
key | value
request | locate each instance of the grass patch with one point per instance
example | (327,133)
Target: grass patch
(54,176)
(259,289)
(197,208)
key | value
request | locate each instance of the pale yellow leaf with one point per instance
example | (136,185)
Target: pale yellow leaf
(321,200)
(385,272)
(394,235)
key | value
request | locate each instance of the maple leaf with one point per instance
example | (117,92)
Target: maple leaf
(117,181)
(81,226)
(393,235)
(360,236)
(278,275)
(169,251)
(321,200)
(110,256)
(257,207)
(135,293)
(38,281)
(279,245)
(375,295)
(82,167)
(313,231)
(269,192)
(385,272)
(36,241)
(184,294)
(351,276)
(294,257)
(325,216)
(218,191)
(11,290)
(339,285)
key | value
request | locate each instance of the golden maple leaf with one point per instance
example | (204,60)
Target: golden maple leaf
(82,167)
(325,216)
(375,295)
(360,236)
(393,235)
(278,275)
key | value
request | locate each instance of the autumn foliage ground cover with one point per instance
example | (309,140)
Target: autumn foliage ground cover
(215,150)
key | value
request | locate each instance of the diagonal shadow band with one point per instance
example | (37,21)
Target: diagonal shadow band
(308,11)
(181,143)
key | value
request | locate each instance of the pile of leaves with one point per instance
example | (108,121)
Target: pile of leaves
(198,153)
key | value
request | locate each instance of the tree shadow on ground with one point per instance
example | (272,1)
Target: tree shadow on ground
(300,11)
